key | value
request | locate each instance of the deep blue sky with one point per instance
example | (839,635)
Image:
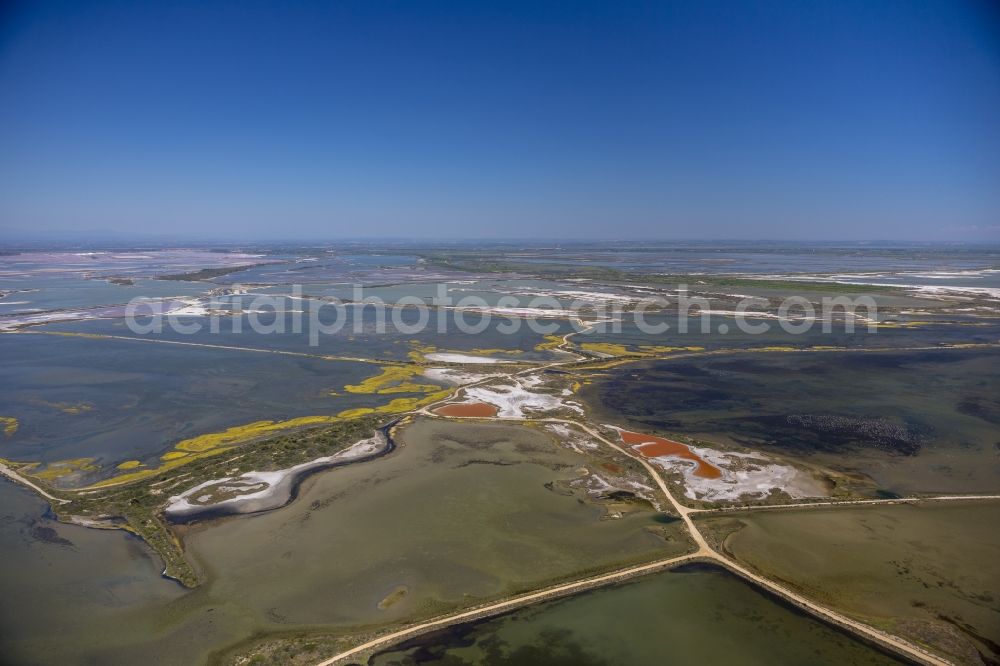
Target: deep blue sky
(843,119)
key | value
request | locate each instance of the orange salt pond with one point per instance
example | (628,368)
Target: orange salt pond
(651,446)
(466,409)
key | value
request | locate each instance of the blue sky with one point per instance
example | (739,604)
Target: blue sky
(813,120)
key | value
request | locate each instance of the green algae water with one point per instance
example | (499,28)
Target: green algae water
(693,615)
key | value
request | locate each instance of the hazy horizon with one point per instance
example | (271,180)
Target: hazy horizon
(114,239)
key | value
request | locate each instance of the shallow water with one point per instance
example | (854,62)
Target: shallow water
(694,615)
(927,571)
(70,592)
(394,522)
(458,514)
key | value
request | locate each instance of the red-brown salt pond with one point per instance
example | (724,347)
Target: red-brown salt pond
(651,446)
(466,409)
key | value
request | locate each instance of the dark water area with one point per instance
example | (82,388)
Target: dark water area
(923,420)
(115,400)
(119,400)
(723,332)
(354,332)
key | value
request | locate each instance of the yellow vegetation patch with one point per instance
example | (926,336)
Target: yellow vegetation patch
(419,350)
(608,348)
(212,444)
(173,455)
(9,425)
(61,468)
(215,443)
(355,413)
(608,363)
(392,379)
(492,352)
(242,433)
(153,471)
(406,404)
(232,435)
(616,349)
(397,406)
(549,343)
